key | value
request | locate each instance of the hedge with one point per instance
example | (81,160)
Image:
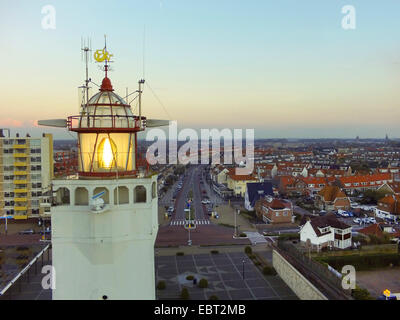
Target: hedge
(248,250)
(203,283)
(362,262)
(185,294)
(161,285)
(269,271)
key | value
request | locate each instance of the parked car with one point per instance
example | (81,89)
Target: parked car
(28,231)
(372,220)
(357,220)
(46,231)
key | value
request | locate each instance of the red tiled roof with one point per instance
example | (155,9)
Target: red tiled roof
(373,229)
(374,178)
(330,193)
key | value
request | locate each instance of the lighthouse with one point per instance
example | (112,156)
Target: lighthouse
(104,219)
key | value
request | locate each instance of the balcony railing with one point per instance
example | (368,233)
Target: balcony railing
(20,181)
(106,122)
(19,155)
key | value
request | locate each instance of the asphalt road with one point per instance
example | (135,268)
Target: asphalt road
(190,182)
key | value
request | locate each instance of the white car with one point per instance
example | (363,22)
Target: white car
(357,220)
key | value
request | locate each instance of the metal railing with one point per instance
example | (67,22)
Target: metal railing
(24,275)
(314,270)
(106,121)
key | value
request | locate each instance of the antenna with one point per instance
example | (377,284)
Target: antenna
(85,50)
(144,38)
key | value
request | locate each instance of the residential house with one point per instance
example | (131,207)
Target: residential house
(291,186)
(255,191)
(325,231)
(272,210)
(332,198)
(379,230)
(362,183)
(238,183)
(390,188)
(388,207)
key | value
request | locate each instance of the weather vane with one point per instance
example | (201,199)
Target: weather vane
(102,55)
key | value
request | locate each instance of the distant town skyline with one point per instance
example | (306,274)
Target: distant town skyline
(286,69)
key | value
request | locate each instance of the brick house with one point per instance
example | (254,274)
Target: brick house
(332,198)
(274,211)
(364,182)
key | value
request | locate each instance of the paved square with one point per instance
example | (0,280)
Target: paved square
(224,272)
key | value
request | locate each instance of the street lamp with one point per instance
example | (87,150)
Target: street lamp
(243,269)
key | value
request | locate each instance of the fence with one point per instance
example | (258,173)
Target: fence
(14,287)
(320,270)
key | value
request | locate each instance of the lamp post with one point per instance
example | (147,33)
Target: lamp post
(243,269)
(236,226)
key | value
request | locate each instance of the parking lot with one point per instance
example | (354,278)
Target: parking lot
(224,272)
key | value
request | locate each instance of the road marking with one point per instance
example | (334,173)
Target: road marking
(182,222)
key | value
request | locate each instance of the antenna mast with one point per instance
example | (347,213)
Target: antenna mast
(86,49)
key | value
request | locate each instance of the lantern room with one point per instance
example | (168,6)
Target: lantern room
(107,134)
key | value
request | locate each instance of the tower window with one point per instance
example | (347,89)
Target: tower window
(140,194)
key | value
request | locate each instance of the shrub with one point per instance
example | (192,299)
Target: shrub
(362,262)
(252,256)
(190,277)
(269,271)
(243,235)
(289,236)
(213,297)
(161,285)
(248,250)
(214,251)
(203,283)
(180,253)
(185,294)
(257,263)
(360,294)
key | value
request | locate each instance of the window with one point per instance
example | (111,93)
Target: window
(81,196)
(153,190)
(140,194)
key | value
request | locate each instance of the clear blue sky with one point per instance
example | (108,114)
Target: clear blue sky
(285,68)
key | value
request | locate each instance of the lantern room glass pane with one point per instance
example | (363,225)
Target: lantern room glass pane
(107,152)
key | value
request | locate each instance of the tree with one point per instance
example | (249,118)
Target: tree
(372,196)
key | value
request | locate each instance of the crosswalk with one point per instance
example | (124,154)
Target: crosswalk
(183,222)
(255,237)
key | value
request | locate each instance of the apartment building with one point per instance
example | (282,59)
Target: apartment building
(26,171)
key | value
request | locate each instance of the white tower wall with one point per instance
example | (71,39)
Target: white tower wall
(105,254)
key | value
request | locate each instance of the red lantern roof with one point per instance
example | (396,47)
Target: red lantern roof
(106,85)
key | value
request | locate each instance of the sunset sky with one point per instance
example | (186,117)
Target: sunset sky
(285,68)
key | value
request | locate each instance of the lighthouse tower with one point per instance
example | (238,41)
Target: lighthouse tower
(104,222)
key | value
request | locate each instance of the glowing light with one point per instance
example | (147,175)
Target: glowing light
(106,152)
